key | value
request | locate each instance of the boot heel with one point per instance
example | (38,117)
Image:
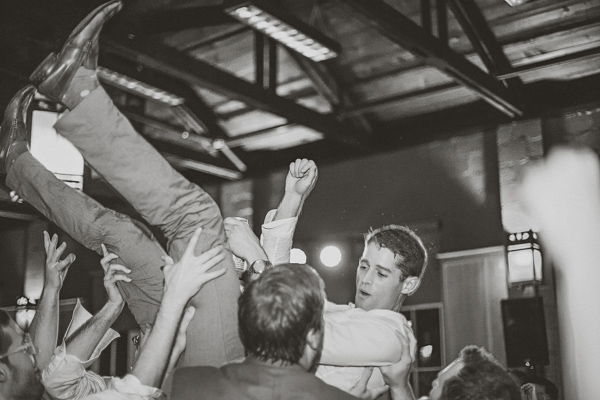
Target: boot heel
(43,70)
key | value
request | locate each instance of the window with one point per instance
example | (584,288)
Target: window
(426,321)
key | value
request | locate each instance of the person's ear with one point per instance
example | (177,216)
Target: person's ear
(410,285)
(3,373)
(313,339)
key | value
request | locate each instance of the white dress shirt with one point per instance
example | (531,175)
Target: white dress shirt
(66,377)
(354,338)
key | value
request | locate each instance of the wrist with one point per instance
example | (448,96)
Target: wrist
(115,305)
(172,302)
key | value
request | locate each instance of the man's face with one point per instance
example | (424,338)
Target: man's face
(26,379)
(378,284)
(449,372)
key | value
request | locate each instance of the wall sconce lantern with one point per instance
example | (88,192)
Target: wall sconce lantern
(524,258)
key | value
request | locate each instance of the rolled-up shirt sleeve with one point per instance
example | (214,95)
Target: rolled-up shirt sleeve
(277,237)
(355,337)
(66,376)
(128,388)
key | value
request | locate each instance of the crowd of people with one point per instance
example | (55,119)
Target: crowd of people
(202,336)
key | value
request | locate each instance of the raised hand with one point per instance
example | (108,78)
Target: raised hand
(397,376)
(184,279)
(56,269)
(302,177)
(111,276)
(360,389)
(242,241)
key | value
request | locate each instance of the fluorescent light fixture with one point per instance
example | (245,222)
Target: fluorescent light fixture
(203,167)
(134,86)
(514,3)
(266,17)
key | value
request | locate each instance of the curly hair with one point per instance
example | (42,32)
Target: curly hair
(481,378)
(408,248)
(5,340)
(278,310)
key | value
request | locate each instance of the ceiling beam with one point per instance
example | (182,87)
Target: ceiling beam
(484,41)
(578,56)
(177,65)
(404,32)
(164,20)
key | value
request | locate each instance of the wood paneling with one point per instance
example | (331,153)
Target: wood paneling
(473,283)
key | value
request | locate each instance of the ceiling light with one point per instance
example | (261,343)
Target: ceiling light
(266,17)
(514,3)
(137,87)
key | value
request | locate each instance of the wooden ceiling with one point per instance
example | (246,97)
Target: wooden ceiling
(409,70)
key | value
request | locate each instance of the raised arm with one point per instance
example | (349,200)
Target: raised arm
(299,182)
(82,342)
(44,327)
(397,376)
(362,338)
(182,281)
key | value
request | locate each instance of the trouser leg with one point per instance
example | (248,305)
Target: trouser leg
(167,200)
(91,224)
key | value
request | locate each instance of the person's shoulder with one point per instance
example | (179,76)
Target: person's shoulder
(189,381)
(389,315)
(193,375)
(332,392)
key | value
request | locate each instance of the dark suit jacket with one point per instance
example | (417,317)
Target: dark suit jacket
(251,379)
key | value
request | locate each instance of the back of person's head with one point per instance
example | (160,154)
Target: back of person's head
(278,310)
(481,378)
(5,340)
(549,388)
(408,248)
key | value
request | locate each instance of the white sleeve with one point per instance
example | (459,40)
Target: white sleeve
(277,237)
(128,388)
(355,337)
(66,377)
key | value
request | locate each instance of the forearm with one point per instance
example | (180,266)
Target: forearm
(153,359)
(82,343)
(402,392)
(44,327)
(362,338)
(290,206)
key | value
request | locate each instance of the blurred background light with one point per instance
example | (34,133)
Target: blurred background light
(331,256)
(297,256)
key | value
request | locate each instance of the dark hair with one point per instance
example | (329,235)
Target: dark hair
(550,388)
(5,340)
(278,310)
(408,248)
(481,378)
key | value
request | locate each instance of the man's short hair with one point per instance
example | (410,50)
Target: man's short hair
(278,310)
(408,248)
(5,340)
(481,378)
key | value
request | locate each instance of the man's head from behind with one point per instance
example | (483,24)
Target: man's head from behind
(390,268)
(474,375)
(281,316)
(19,377)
